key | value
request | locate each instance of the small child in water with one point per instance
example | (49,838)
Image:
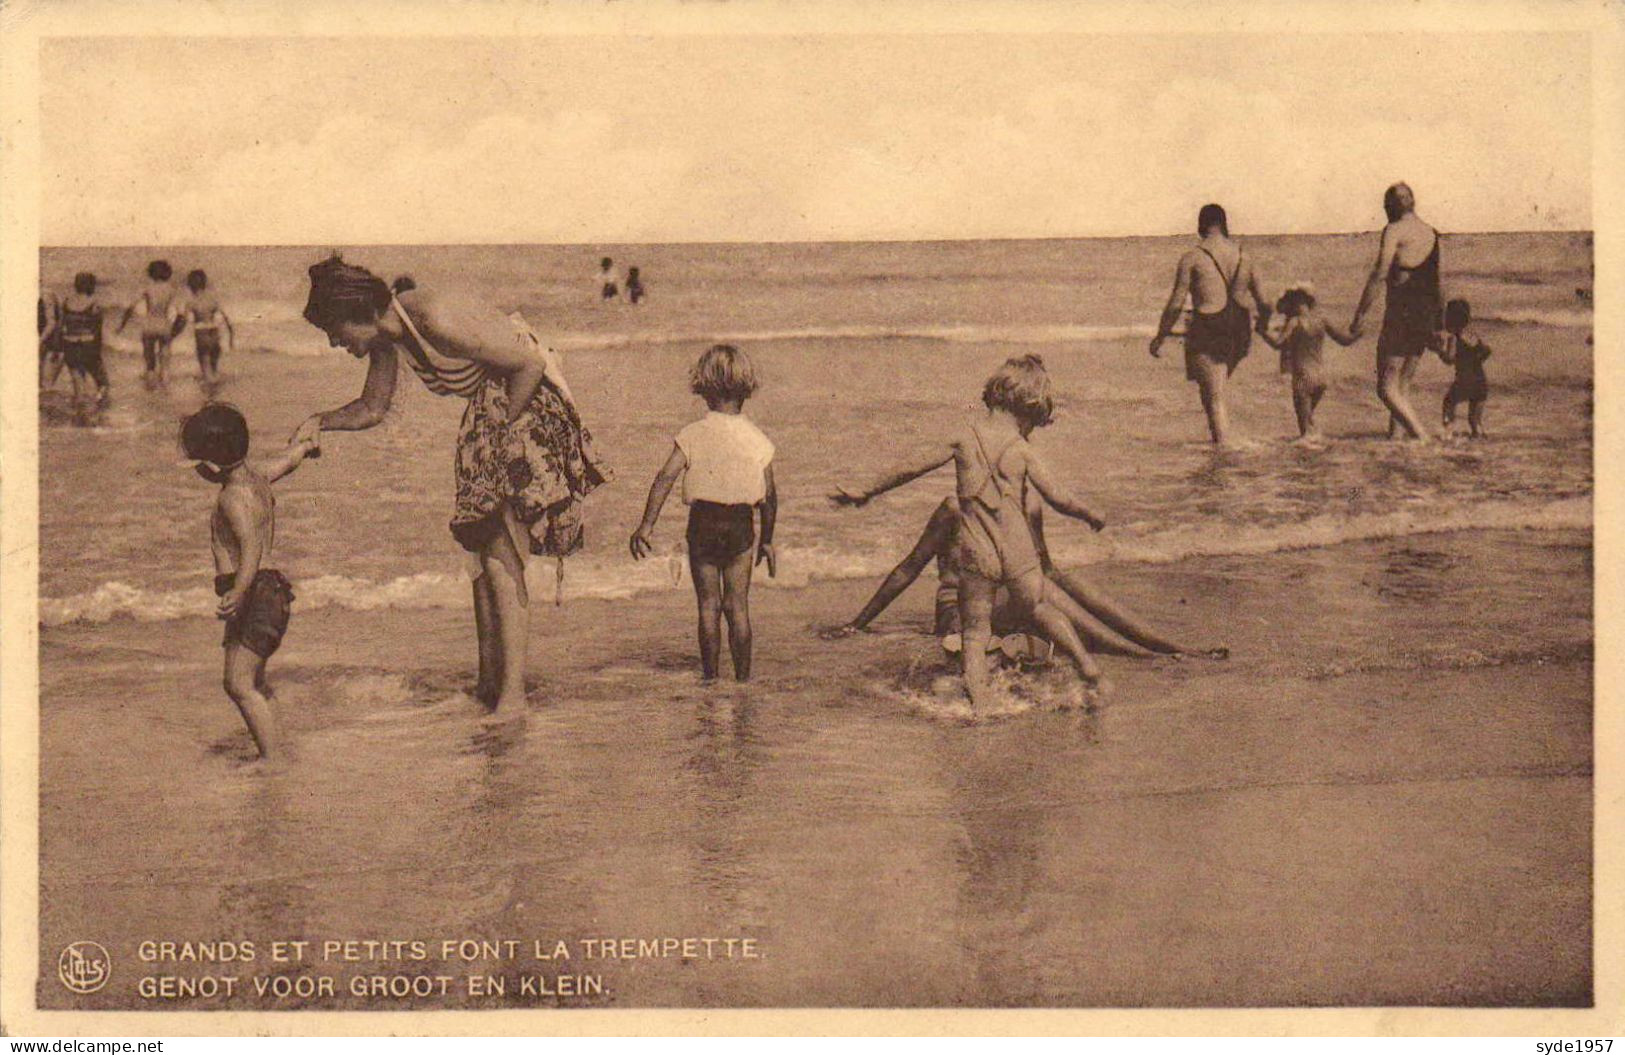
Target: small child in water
(161,322)
(207,316)
(79,335)
(254,599)
(726,463)
(1463,350)
(634,285)
(1300,343)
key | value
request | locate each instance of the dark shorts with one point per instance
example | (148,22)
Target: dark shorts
(719,533)
(262,617)
(1403,335)
(85,358)
(208,345)
(610,292)
(1467,391)
(1222,337)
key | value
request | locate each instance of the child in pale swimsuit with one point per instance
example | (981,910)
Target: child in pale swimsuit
(726,463)
(254,599)
(1300,343)
(161,320)
(207,316)
(994,546)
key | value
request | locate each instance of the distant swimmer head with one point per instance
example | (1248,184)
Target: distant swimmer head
(159,271)
(1022,387)
(345,303)
(84,282)
(1397,201)
(216,436)
(197,281)
(1212,217)
(724,374)
(1457,314)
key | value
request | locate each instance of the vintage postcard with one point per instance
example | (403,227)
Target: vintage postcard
(744,517)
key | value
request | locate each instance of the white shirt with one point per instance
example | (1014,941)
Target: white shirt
(727,457)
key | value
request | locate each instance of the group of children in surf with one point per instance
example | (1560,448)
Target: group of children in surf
(71,334)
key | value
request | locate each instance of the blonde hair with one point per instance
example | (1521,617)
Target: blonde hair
(723,373)
(1022,387)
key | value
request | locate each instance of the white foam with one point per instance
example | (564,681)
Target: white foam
(801,566)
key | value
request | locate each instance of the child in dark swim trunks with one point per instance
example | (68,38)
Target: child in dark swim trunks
(727,468)
(1463,350)
(254,599)
(1300,343)
(79,334)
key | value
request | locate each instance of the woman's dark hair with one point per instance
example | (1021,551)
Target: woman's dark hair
(84,282)
(1022,387)
(1212,215)
(159,271)
(197,281)
(218,433)
(341,292)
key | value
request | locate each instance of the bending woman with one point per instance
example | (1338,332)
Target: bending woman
(524,461)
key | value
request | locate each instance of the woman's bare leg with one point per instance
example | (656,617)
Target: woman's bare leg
(1095,634)
(488,683)
(1210,384)
(1125,621)
(505,570)
(936,535)
(1391,390)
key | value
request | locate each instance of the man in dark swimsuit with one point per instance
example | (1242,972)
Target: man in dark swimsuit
(1214,275)
(1408,265)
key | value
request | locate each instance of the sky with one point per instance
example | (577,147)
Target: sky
(615,138)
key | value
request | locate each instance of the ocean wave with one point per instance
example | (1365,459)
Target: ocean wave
(1570,318)
(800,566)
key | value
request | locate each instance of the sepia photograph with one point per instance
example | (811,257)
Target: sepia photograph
(616,509)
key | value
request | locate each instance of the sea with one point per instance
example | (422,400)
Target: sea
(1382,797)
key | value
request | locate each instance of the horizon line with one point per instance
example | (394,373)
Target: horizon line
(785,241)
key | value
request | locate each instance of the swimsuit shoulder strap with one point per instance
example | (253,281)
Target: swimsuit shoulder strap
(1229,282)
(990,463)
(459,379)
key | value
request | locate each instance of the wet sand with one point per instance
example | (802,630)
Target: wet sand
(1384,798)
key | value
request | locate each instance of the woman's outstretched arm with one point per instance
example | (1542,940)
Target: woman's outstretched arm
(363,412)
(843,497)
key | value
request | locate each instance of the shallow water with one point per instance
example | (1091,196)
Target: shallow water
(1384,797)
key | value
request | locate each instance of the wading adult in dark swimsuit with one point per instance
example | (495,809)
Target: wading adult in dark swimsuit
(1408,266)
(1215,275)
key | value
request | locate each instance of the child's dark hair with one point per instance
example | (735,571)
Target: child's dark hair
(159,271)
(1292,298)
(197,281)
(605,262)
(1457,313)
(218,433)
(723,373)
(84,282)
(1022,387)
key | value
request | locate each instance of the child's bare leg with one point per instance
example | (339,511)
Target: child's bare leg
(1449,408)
(1475,417)
(1315,395)
(487,632)
(1304,408)
(245,673)
(976,623)
(708,597)
(736,608)
(1030,593)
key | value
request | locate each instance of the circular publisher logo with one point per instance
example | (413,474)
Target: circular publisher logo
(84,967)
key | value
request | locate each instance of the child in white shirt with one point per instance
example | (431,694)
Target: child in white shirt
(727,467)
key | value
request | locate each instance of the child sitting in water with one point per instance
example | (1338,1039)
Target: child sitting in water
(1463,350)
(1300,343)
(994,545)
(727,468)
(254,599)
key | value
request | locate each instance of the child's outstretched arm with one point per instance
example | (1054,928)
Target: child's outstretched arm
(843,497)
(769,506)
(124,320)
(1062,500)
(238,509)
(642,544)
(1339,334)
(287,460)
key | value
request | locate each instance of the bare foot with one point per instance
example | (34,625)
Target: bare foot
(845,630)
(1217,652)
